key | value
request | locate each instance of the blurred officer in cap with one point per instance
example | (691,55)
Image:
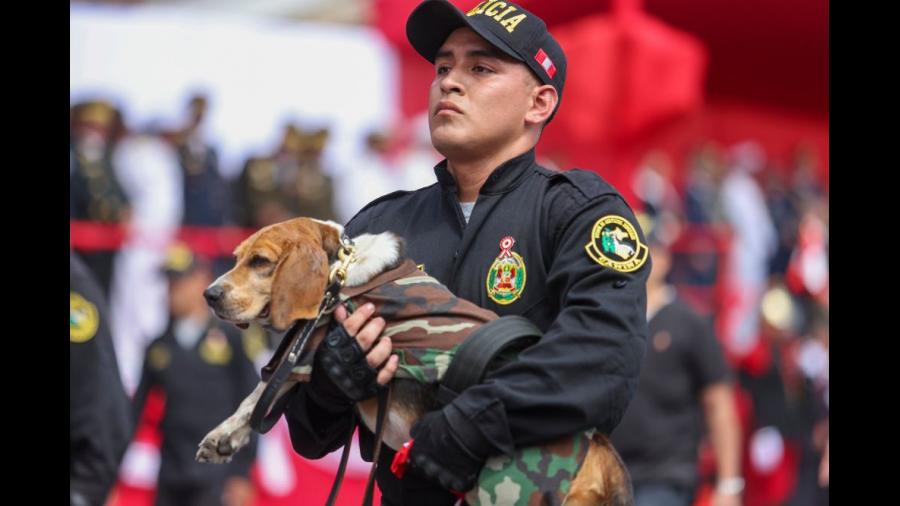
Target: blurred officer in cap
(289,183)
(95,192)
(100,421)
(684,380)
(203,370)
(205,190)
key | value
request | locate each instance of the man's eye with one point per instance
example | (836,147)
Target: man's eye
(481,69)
(443,69)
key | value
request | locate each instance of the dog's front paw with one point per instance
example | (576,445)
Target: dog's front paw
(220,445)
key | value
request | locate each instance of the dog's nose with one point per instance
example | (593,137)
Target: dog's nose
(213,294)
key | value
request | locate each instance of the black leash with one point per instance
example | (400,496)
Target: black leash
(265,415)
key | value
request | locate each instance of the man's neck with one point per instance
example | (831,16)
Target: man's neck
(470,177)
(470,174)
(658,296)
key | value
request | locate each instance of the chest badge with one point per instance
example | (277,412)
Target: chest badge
(506,277)
(214,349)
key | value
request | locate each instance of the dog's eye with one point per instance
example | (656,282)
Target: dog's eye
(259,261)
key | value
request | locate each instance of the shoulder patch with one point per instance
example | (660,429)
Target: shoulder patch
(84,319)
(615,243)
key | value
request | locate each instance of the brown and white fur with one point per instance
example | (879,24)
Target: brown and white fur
(279,276)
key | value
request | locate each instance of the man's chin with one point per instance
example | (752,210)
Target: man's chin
(449,143)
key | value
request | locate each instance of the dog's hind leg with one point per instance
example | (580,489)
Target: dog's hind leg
(603,479)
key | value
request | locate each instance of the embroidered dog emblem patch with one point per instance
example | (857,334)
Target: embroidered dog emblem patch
(506,277)
(615,244)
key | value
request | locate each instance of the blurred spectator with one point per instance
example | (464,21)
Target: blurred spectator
(652,183)
(753,243)
(806,184)
(807,391)
(786,215)
(683,375)
(205,191)
(311,192)
(150,175)
(705,172)
(372,175)
(807,271)
(288,184)
(775,410)
(203,370)
(95,193)
(100,423)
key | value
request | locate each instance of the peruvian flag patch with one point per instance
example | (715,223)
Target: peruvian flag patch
(545,61)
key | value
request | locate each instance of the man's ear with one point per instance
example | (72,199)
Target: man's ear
(543,102)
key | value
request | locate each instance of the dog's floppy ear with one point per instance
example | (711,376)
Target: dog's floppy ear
(298,286)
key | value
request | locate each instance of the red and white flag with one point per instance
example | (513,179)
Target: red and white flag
(545,61)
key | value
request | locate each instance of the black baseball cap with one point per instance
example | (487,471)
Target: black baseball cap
(507,26)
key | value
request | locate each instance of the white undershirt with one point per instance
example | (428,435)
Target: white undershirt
(467,209)
(188,331)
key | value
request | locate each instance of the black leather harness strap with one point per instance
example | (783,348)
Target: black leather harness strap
(267,412)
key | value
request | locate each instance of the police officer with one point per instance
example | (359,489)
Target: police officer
(205,190)
(100,421)
(310,192)
(95,193)
(685,380)
(560,248)
(289,183)
(202,369)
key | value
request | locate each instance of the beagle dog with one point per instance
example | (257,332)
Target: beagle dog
(280,275)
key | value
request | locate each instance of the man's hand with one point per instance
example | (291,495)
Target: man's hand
(238,492)
(437,452)
(823,468)
(726,499)
(349,362)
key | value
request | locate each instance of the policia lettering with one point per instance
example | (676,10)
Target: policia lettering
(492,9)
(615,244)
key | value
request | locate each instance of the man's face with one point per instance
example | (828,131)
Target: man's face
(478,98)
(186,292)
